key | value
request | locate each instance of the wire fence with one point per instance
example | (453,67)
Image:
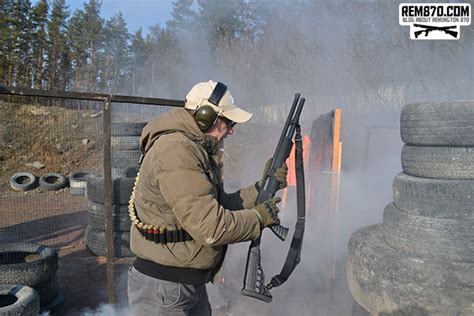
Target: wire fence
(67,164)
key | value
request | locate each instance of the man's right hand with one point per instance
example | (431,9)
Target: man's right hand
(267,212)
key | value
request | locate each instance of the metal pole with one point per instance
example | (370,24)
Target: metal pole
(108,201)
(90,96)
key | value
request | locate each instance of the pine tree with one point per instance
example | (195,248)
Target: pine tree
(93,35)
(58,48)
(183,16)
(5,40)
(165,55)
(116,67)
(139,53)
(20,55)
(39,43)
(222,21)
(77,47)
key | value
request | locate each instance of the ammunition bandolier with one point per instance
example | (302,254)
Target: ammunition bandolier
(151,232)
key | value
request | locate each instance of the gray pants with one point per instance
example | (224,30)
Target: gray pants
(149,296)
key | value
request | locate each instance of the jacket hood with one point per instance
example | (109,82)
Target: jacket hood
(176,120)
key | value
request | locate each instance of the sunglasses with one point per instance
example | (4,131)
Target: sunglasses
(228,122)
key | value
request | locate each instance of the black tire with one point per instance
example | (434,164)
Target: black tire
(52,181)
(125,158)
(455,163)
(16,300)
(23,181)
(78,183)
(26,263)
(78,191)
(450,199)
(125,142)
(438,124)
(120,218)
(121,190)
(127,129)
(421,245)
(131,172)
(441,249)
(452,229)
(123,172)
(96,243)
(393,282)
(48,291)
(432,238)
(358,310)
(54,305)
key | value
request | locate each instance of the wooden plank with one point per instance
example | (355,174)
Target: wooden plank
(334,193)
(336,139)
(335,189)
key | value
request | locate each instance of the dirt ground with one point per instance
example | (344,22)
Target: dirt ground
(60,140)
(59,220)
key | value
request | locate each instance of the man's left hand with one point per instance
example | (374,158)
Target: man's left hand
(280,175)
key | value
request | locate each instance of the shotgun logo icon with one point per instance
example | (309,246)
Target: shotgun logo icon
(435,21)
(427,29)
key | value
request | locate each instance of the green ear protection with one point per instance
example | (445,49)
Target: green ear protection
(205,116)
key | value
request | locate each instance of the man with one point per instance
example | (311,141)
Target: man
(182,219)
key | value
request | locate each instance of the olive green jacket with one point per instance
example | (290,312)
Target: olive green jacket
(180,187)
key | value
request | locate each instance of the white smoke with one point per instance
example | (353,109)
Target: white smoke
(106,310)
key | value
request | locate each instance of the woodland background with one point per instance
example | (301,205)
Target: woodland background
(338,53)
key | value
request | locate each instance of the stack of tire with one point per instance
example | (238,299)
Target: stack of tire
(78,183)
(95,235)
(420,260)
(28,281)
(125,145)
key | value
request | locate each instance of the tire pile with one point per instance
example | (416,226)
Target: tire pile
(28,282)
(125,156)
(420,260)
(125,143)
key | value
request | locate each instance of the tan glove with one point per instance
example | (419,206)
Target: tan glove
(280,175)
(267,212)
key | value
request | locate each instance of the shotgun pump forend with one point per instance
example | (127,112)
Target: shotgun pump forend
(254,278)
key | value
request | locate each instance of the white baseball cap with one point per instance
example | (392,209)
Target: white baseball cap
(200,94)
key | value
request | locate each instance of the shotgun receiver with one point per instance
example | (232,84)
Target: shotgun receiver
(254,279)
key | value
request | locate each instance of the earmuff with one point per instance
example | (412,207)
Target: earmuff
(205,115)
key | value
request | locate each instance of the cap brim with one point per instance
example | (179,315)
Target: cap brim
(237,115)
